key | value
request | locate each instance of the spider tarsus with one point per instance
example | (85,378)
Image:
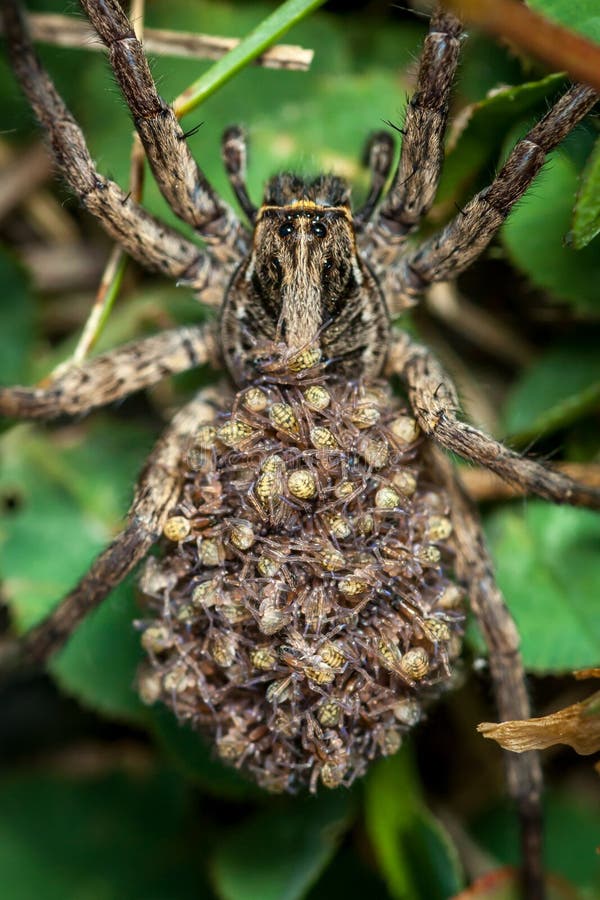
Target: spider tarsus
(378,155)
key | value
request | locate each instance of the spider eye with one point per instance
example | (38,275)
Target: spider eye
(318,229)
(285,229)
(327,266)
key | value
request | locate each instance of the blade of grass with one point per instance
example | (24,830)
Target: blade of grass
(562,414)
(108,290)
(112,277)
(255,43)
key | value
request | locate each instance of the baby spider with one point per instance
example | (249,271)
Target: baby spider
(316,544)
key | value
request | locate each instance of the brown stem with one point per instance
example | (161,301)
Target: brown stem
(555,45)
(66,31)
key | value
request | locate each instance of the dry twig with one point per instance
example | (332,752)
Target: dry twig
(22,175)
(65,31)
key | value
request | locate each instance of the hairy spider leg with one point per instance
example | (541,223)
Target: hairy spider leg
(182,183)
(474,567)
(416,179)
(144,237)
(434,400)
(453,249)
(112,376)
(156,493)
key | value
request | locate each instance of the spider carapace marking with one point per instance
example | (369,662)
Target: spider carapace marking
(305,282)
(316,541)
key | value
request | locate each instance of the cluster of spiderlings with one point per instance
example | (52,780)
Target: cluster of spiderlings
(303,607)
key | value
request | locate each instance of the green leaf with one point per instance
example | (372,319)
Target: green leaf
(415,855)
(16,321)
(533,236)
(102,839)
(348,876)
(571,828)
(556,390)
(547,567)
(98,665)
(586,214)
(391,798)
(578,15)
(67,499)
(340,148)
(260,38)
(279,854)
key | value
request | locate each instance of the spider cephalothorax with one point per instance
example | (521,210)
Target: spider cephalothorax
(304,281)
(306,602)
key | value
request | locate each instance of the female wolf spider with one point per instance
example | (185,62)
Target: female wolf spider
(315,535)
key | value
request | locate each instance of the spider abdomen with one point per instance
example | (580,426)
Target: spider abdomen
(304,606)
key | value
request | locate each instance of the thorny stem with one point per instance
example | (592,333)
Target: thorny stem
(537,35)
(246,51)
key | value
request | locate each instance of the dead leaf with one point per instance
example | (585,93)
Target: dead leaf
(504,884)
(577,725)
(582,674)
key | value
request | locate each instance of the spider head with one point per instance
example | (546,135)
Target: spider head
(304,282)
(304,266)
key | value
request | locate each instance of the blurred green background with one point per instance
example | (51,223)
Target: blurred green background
(102,798)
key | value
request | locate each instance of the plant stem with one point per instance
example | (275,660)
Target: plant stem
(264,35)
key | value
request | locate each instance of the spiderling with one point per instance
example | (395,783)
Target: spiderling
(303,610)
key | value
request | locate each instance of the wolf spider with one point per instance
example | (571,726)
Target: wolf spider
(308,273)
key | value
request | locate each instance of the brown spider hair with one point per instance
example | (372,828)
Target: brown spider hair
(286,478)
